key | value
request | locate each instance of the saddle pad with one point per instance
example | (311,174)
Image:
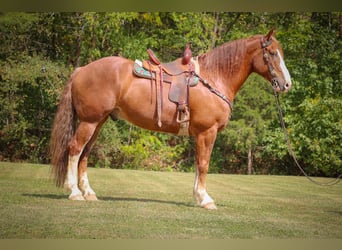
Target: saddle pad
(140,71)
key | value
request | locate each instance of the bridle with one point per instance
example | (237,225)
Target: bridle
(266,53)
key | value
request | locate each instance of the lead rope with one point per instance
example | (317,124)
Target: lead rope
(291,152)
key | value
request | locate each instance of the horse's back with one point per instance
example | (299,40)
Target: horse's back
(103,68)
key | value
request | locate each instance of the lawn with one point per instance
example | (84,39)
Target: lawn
(159,205)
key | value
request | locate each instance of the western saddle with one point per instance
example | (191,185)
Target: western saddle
(180,74)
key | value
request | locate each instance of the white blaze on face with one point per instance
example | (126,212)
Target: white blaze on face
(284,69)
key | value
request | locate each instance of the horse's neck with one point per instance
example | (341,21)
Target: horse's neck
(231,70)
(252,45)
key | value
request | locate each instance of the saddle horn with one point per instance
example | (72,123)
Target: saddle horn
(187,54)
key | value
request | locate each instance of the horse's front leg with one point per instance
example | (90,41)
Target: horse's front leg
(204,146)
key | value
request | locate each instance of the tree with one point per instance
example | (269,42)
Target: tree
(39,50)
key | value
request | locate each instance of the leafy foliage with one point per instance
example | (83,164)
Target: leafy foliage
(39,50)
(28,96)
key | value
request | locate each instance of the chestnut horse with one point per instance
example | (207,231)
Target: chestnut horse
(107,87)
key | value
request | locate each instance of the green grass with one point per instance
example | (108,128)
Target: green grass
(159,205)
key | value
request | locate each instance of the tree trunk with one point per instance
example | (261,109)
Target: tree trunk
(249,166)
(78,42)
(340,17)
(216,31)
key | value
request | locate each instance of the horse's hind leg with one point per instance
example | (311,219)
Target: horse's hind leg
(204,145)
(83,184)
(77,144)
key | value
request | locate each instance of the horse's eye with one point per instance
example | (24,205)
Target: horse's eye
(273,53)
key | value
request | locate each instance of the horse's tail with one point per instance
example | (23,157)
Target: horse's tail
(62,130)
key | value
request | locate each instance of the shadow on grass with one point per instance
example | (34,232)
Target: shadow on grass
(146,200)
(47,196)
(106,198)
(335,212)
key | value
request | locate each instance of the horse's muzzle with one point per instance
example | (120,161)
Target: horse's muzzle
(280,85)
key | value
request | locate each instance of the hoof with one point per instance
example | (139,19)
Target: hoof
(90,197)
(76,197)
(209,206)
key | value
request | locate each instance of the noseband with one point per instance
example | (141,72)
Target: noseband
(264,45)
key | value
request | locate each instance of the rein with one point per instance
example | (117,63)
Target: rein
(291,152)
(216,91)
(264,45)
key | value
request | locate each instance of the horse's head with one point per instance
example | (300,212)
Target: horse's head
(270,64)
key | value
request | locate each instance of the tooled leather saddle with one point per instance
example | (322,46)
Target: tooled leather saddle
(180,74)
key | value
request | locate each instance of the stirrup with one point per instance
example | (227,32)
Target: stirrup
(183,115)
(183,118)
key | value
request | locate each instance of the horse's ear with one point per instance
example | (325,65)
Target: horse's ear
(270,34)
